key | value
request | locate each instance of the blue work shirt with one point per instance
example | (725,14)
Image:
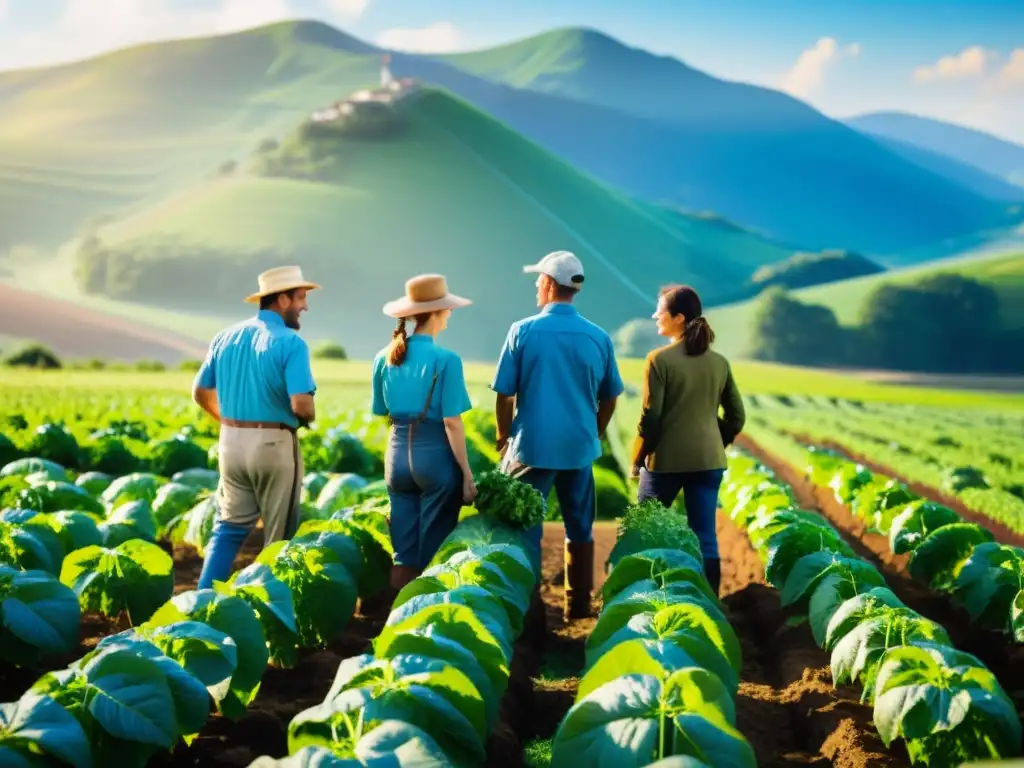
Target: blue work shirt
(401,390)
(557,365)
(256,366)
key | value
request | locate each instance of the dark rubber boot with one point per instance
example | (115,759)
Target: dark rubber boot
(579,579)
(713,570)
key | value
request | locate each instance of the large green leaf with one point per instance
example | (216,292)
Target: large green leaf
(375,559)
(659,658)
(937,560)
(660,565)
(948,707)
(767,525)
(477,598)
(75,530)
(316,577)
(122,700)
(414,704)
(857,655)
(271,600)
(988,582)
(783,548)
(478,632)
(391,744)
(709,639)
(857,609)
(131,520)
(191,701)
(637,719)
(30,548)
(38,616)
(833,591)
(406,670)
(810,570)
(644,597)
(488,679)
(235,618)
(915,522)
(481,530)
(135,577)
(35,727)
(461,571)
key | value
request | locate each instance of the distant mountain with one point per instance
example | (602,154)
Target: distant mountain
(442,187)
(969,176)
(125,130)
(997,157)
(757,155)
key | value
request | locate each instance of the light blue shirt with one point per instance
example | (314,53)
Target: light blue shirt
(558,366)
(256,366)
(401,390)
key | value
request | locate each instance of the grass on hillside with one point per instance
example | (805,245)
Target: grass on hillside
(1004,272)
(461,194)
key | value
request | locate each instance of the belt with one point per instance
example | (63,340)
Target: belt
(257,424)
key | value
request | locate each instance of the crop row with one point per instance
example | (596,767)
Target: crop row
(979,464)
(143,689)
(428,693)
(662,663)
(943,703)
(950,556)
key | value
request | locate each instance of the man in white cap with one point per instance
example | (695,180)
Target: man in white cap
(557,382)
(257,383)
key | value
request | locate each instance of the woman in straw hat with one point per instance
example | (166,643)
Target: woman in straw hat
(421,388)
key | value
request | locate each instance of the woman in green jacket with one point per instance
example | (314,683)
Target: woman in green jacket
(680,444)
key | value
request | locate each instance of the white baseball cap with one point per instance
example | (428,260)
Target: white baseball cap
(561,266)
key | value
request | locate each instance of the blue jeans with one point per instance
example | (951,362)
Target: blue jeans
(700,495)
(576,496)
(425,488)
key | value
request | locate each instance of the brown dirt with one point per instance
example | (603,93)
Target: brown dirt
(787,706)
(1004,658)
(78,332)
(1002,533)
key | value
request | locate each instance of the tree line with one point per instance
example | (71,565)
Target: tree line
(944,323)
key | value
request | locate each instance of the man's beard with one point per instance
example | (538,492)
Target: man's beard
(291,319)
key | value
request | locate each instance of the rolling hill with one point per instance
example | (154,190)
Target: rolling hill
(456,192)
(116,133)
(1003,271)
(991,154)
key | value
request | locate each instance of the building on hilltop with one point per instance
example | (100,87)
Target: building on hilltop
(391,91)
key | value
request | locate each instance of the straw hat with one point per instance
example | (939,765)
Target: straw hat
(280,279)
(424,293)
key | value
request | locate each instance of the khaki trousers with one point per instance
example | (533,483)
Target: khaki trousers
(260,477)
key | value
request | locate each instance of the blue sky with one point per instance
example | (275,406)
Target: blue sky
(958,60)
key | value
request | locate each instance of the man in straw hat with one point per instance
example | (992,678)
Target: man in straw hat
(420,386)
(257,383)
(557,382)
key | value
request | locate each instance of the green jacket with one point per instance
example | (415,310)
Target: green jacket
(679,429)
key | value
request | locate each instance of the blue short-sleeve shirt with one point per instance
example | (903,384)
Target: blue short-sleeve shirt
(256,366)
(558,366)
(401,391)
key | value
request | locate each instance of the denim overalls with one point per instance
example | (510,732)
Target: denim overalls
(424,484)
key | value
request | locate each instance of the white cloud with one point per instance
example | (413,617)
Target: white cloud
(439,37)
(970,62)
(808,73)
(87,27)
(350,9)
(1013,72)
(4,10)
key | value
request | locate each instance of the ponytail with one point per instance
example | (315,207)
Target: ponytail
(399,344)
(698,336)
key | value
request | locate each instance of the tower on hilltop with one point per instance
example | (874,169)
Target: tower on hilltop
(386,77)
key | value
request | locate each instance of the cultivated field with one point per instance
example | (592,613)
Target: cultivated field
(259,670)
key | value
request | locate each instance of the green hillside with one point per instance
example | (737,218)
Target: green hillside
(95,138)
(455,192)
(1003,271)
